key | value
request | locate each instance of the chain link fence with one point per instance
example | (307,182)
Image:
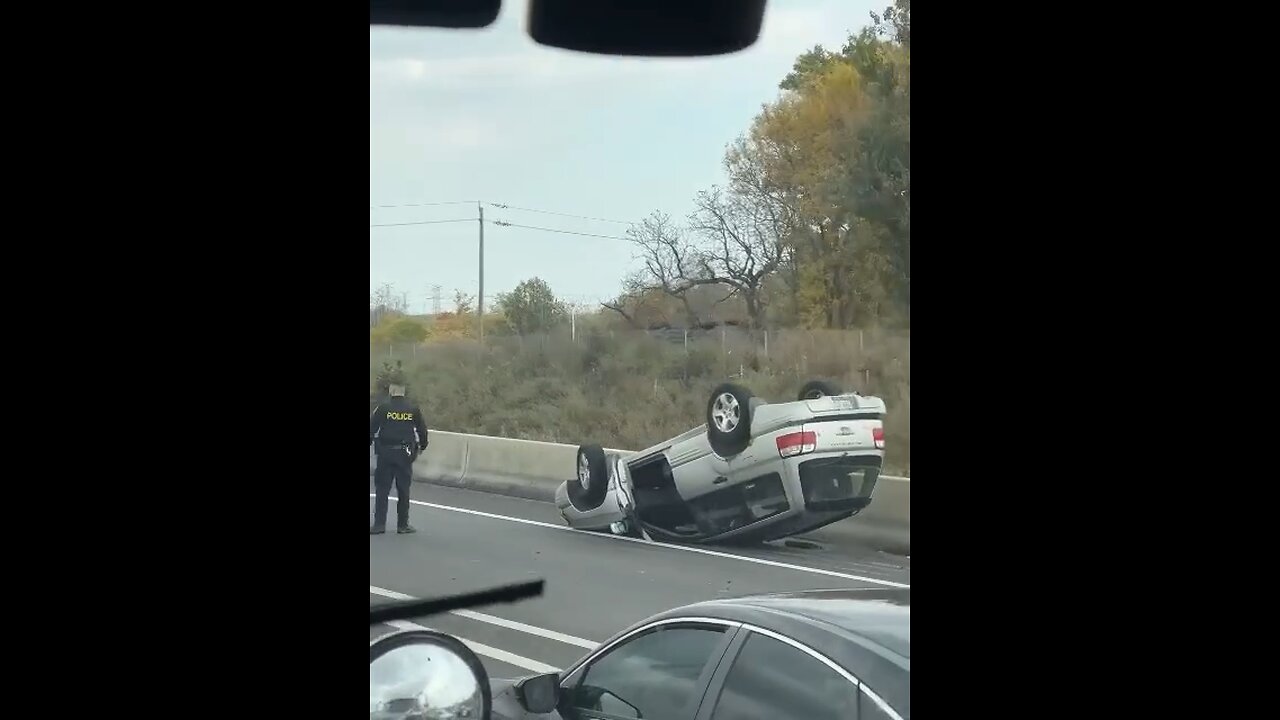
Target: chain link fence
(868,357)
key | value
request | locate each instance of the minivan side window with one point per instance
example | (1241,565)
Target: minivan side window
(651,675)
(771,679)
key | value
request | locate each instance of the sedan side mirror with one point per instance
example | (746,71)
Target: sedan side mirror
(539,694)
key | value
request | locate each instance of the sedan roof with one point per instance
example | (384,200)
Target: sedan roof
(865,631)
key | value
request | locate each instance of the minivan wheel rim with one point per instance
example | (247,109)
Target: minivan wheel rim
(584,472)
(725,413)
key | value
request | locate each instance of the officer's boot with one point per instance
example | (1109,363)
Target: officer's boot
(402,517)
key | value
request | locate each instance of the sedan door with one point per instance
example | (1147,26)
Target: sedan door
(768,676)
(656,673)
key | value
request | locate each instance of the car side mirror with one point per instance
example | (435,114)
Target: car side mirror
(539,694)
(426,674)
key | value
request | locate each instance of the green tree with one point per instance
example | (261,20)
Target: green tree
(797,157)
(532,307)
(398,331)
(810,63)
(407,330)
(896,22)
(838,147)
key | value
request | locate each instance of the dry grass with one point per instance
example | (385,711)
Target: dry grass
(629,390)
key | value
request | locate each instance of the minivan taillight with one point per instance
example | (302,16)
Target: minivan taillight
(877,434)
(797,443)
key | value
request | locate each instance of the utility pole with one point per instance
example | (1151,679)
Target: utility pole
(480,298)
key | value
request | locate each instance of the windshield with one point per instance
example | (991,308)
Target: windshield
(576,257)
(647,224)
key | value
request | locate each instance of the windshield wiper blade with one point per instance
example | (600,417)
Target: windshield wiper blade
(408,609)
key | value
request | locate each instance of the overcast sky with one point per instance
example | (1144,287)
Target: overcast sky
(489,115)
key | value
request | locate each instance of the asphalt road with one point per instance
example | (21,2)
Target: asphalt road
(595,584)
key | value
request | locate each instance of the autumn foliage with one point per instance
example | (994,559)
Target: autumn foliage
(812,226)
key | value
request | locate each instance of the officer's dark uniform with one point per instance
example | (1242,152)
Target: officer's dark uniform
(393,426)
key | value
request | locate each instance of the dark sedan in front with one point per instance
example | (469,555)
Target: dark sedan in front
(814,655)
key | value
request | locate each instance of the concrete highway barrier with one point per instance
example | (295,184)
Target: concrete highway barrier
(533,470)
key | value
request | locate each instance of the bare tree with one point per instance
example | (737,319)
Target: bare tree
(387,298)
(753,164)
(463,303)
(631,300)
(742,243)
(671,265)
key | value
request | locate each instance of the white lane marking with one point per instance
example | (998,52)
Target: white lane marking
(485,650)
(683,548)
(500,622)
(529,629)
(392,594)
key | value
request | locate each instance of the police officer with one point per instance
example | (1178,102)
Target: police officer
(400,433)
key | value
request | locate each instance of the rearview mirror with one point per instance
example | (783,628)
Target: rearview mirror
(425,674)
(434,13)
(653,28)
(539,694)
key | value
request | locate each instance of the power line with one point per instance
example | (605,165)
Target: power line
(503,223)
(430,204)
(560,214)
(421,222)
(505,206)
